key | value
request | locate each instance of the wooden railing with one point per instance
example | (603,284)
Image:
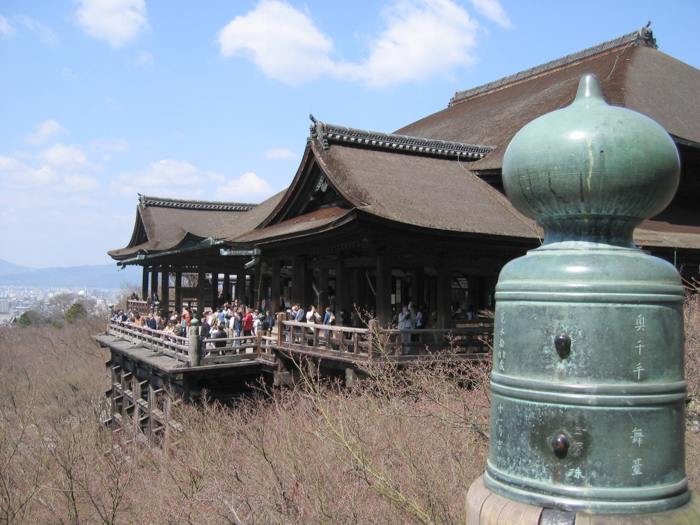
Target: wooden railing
(300,335)
(466,340)
(374,342)
(310,338)
(230,349)
(171,345)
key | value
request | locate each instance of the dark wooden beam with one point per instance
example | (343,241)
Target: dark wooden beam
(178,292)
(227,286)
(444,291)
(322,285)
(214,289)
(154,282)
(144,284)
(275,290)
(383,290)
(240,281)
(341,291)
(165,290)
(299,281)
(200,292)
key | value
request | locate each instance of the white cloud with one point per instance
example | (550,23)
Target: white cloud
(16,174)
(420,39)
(247,186)
(65,157)
(175,178)
(117,22)
(44,131)
(144,59)
(59,168)
(280,154)
(493,10)
(44,32)
(5,28)
(281,40)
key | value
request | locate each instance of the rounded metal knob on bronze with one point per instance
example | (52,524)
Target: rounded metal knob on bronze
(562,343)
(560,445)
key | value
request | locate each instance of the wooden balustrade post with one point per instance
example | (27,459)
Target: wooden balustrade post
(373,327)
(258,342)
(194,344)
(281,316)
(314,336)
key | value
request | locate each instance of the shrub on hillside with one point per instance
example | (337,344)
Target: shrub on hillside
(75,311)
(30,317)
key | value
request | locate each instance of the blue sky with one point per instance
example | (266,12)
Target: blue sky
(101,99)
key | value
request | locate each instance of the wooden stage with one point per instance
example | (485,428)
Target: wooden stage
(151,370)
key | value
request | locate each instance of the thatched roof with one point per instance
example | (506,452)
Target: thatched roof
(164,224)
(632,73)
(426,174)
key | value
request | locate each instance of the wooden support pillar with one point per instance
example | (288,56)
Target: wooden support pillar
(322,286)
(240,282)
(227,287)
(256,285)
(214,289)
(200,292)
(444,289)
(341,292)
(354,282)
(299,281)
(383,290)
(419,276)
(178,292)
(248,280)
(275,290)
(165,290)
(154,283)
(144,284)
(432,300)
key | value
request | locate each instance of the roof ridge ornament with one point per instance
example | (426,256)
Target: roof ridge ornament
(327,134)
(642,37)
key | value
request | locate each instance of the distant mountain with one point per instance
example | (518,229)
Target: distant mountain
(97,276)
(7,268)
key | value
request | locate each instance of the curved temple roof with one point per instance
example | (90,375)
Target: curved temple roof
(632,73)
(164,224)
(424,175)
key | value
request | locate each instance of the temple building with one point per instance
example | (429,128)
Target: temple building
(375,220)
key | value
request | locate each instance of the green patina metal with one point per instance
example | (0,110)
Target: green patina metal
(588,385)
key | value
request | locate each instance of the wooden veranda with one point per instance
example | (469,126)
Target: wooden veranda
(151,369)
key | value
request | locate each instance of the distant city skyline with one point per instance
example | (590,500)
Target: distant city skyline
(210,100)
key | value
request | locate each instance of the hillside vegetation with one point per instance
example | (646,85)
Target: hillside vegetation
(396,449)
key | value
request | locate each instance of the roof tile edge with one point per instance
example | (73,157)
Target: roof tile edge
(186,204)
(641,37)
(327,134)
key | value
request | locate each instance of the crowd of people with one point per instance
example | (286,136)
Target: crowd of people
(234,319)
(229,320)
